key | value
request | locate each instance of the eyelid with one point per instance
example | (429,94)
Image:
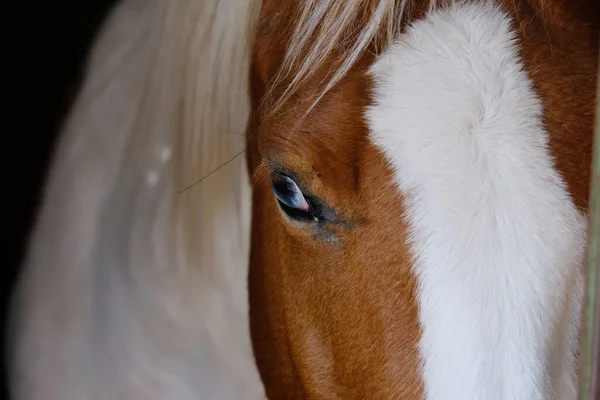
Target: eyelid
(293,176)
(265,170)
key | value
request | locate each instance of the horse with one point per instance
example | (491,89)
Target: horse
(318,199)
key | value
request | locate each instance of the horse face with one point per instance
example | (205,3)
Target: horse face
(330,274)
(352,293)
(329,256)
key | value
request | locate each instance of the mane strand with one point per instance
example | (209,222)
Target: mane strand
(325,25)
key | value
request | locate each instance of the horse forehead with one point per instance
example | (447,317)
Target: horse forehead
(335,125)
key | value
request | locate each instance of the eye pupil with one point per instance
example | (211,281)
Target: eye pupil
(297,205)
(288,193)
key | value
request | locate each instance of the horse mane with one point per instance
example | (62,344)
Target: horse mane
(349,26)
(121,249)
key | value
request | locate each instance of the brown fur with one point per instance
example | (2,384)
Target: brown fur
(559,42)
(333,311)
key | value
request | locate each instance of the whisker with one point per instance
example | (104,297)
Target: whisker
(212,172)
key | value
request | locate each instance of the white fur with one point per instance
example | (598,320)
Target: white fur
(497,241)
(133,289)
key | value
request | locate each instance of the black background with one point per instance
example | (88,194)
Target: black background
(42,56)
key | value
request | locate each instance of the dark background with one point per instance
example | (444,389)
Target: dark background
(45,45)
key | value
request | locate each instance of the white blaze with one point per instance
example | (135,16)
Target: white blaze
(497,240)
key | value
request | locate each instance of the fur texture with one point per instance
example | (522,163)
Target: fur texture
(496,238)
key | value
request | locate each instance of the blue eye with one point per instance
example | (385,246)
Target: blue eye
(288,193)
(297,205)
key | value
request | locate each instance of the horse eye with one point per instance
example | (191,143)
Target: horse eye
(288,193)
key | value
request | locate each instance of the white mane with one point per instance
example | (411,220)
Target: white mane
(133,288)
(323,25)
